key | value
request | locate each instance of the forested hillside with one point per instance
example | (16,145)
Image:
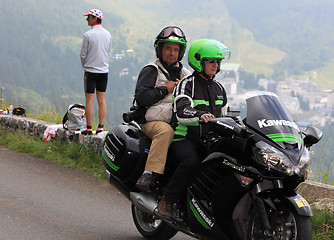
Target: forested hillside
(302,29)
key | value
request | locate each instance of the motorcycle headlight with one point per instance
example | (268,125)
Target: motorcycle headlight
(304,161)
(271,157)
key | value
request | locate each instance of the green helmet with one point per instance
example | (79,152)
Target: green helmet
(206,48)
(170,34)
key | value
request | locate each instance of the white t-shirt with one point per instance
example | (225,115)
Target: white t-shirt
(95,50)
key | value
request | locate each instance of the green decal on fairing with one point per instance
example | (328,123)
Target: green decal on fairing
(285,137)
(198,214)
(113,166)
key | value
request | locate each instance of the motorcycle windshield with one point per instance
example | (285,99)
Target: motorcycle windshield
(269,116)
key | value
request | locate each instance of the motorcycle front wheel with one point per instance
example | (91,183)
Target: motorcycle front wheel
(151,227)
(289,226)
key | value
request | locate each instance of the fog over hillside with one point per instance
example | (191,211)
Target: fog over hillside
(41,40)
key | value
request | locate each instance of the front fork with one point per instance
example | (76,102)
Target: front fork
(266,200)
(265,219)
(265,209)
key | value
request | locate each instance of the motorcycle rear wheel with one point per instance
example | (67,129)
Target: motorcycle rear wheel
(151,227)
(289,226)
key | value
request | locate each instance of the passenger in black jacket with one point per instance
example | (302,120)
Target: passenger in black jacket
(156,83)
(196,97)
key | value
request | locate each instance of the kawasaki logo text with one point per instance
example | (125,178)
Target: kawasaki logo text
(199,210)
(270,123)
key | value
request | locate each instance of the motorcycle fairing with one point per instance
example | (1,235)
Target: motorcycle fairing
(269,116)
(200,214)
(212,192)
(200,218)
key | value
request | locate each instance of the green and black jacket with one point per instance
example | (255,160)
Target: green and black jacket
(193,97)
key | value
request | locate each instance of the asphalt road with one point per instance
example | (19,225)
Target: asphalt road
(40,200)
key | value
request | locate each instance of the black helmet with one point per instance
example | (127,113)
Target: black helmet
(170,34)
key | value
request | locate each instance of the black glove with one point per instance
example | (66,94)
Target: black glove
(207,116)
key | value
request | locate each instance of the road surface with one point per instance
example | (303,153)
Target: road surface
(41,200)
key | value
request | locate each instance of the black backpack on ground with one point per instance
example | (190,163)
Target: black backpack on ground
(19,111)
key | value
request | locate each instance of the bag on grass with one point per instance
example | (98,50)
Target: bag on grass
(19,111)
(73,118)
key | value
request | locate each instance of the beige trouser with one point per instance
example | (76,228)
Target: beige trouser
(162,135)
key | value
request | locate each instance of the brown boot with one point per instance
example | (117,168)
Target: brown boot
(146,182)
(165,208)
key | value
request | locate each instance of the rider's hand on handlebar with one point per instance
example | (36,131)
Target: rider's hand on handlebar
(207,116)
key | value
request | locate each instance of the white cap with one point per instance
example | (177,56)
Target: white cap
(95,12)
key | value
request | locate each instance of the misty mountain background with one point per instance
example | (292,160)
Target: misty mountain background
(40,44)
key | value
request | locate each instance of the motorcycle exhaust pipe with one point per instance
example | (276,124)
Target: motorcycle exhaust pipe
(144,201)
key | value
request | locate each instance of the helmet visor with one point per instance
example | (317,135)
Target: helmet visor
(213,60)
(169,31)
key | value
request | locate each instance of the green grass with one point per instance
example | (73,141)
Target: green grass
(48,116)
(323,225)
(68,154)
(258,58)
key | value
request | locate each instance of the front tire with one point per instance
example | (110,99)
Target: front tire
(151,227)
(289,226)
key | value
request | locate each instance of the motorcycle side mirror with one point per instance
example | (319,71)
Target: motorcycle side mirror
(312,136)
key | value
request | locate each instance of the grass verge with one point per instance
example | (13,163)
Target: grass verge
(62,153)
(323,225)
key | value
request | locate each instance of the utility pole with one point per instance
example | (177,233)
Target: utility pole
(1,98)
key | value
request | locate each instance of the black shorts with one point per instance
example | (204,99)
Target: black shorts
(96,81)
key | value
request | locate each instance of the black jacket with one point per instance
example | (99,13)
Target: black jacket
(193,97)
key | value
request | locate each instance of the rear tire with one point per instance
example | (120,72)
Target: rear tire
(151,227)
(289,226)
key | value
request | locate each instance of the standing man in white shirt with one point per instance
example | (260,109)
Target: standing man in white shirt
(95,54)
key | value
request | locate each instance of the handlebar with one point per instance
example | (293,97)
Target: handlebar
(226,126)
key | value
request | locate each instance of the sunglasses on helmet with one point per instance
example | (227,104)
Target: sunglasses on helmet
(168,31)
(213,60)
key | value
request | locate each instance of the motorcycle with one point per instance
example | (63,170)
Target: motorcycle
(246,185)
